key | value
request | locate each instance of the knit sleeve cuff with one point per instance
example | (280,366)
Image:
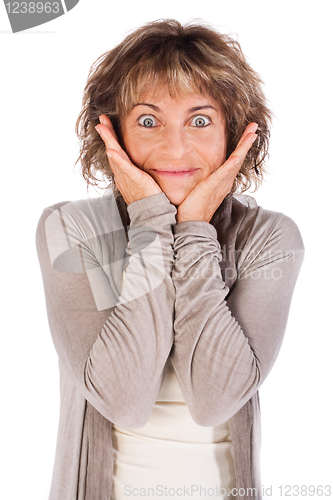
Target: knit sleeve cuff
(148,210)
(195,228)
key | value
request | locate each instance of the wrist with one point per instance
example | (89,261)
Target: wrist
(195,228)
(193,216)
(134,197)
(148,211)
(180,219)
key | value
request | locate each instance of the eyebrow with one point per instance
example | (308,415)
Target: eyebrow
(191,110)
(197,108)
(155,108)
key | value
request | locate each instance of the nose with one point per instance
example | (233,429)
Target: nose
(176,143)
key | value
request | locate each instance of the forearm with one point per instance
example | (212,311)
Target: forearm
(136,340)
(224,349)
(116,357)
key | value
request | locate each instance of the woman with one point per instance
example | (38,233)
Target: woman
(167,299)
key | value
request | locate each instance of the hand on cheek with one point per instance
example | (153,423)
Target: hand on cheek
(207,195)
(133,183)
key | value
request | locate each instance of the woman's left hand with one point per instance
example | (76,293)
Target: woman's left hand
(209,193)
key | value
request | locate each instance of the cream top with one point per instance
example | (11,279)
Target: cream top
(172,455)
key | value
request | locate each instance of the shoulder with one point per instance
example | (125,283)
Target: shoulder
(91,216)
(85,210)
(266,232)
(265,224)
(276,228)
(77,224)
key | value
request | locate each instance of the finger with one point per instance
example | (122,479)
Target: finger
(243,148)
(124,165)
(233,164)
(109,137)
(105,120)
(116,155)
(252,127)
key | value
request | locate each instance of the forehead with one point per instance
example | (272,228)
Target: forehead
(163,98)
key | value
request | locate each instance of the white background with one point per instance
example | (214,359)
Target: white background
(43,75)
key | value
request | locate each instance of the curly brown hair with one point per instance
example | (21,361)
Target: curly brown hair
(192,57)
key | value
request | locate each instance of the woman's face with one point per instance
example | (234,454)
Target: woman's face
(178,142)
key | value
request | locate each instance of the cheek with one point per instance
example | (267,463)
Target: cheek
(138,148)
(213,151)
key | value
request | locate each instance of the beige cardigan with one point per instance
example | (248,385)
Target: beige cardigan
(214,296)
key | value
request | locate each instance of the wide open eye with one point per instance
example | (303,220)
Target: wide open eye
(200,121)
(147,121)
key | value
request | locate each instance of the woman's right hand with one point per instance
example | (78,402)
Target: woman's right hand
(133,183)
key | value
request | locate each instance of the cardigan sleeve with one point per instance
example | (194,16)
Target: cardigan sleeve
(115,355)
(226,342)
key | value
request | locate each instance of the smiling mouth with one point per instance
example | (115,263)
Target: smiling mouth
(175,173)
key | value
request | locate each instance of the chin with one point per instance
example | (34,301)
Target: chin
(176,194)
(175,198)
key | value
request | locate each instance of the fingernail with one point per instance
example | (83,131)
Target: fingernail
(98,130)
(256,135)
(109,154)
